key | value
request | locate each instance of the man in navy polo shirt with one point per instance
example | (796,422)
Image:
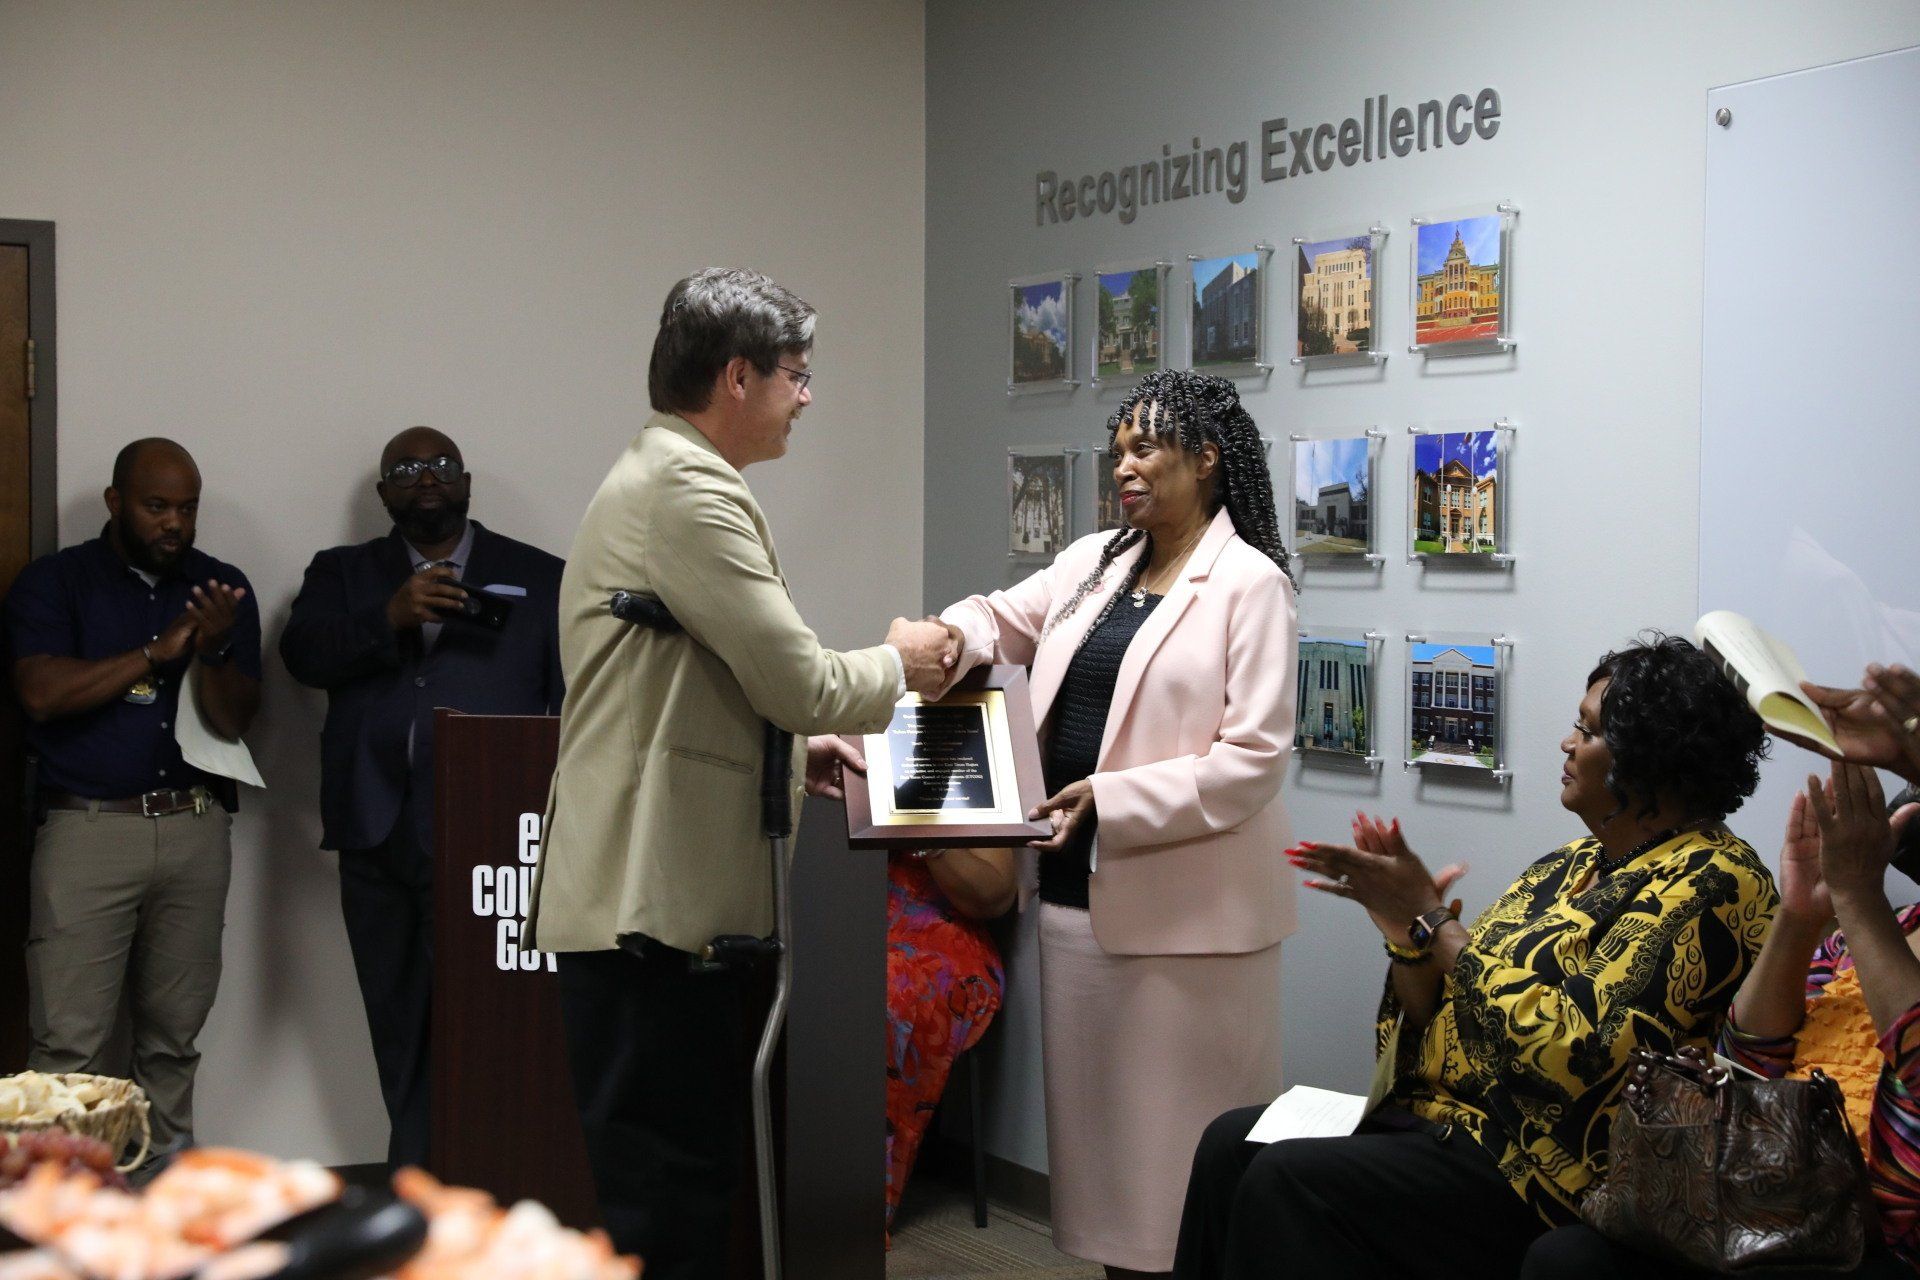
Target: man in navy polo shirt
(130,866)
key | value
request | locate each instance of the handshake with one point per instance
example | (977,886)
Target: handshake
(930,651)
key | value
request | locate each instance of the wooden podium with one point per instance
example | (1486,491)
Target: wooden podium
(503,1113)
(503,1110)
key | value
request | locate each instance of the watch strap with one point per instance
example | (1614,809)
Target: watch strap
(1426,927)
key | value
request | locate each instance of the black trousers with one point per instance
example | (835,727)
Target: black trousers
(1581,1253)
(661,1075)
(386,897)
(1384,1202)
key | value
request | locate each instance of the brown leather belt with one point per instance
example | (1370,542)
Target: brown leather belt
(152,804)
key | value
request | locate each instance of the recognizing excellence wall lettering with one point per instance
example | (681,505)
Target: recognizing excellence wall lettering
(1285,152)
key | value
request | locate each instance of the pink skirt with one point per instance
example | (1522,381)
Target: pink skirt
(1142,1053)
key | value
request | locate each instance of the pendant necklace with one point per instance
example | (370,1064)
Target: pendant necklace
(1139,596)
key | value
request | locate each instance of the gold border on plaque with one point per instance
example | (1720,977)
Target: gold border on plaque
(1006,791)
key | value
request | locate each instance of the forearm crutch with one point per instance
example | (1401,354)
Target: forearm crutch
(776,815)
(731,949)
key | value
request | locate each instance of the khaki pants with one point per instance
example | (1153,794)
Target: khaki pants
(128,907)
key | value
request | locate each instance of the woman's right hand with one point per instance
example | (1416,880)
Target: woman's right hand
(1803,888)
(1380,837)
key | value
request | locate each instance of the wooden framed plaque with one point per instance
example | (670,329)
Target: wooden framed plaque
(961,771)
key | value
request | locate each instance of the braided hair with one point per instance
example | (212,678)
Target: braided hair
(1197,409)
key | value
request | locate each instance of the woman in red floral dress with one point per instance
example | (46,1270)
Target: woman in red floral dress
(944,983)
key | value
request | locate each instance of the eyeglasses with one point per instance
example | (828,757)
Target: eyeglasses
(801,377)
(406,472)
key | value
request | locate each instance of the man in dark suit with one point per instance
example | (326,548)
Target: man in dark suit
(380,627)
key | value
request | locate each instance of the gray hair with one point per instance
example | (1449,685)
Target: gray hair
(710,318)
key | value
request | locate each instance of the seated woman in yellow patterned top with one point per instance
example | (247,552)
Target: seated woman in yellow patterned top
(1503,1046)
(1845,1002)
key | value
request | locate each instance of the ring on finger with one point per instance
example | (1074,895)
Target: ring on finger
(1344,881)
(1911,724)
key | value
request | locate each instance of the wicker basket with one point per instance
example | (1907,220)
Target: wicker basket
(115,1120)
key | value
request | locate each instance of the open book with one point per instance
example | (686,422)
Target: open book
(1766,672)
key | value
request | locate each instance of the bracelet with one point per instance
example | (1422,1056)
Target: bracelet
(926,855)
(146,651)
(1405,955)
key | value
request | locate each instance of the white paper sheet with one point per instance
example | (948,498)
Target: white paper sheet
(1306,1112)
(204,749)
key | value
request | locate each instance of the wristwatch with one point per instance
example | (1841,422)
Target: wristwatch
(218,658)
(1426,927)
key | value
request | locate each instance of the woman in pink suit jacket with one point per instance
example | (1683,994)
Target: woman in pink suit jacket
(1162,664)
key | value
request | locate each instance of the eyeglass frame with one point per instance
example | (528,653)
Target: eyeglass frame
(417,467)
(801,377)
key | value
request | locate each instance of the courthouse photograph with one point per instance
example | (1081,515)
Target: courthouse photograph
(1332,497)
(1456,493)
(1129,303)
(1336,297)
(1454,710)
(1333,714)
(1226,310)
(1458,282)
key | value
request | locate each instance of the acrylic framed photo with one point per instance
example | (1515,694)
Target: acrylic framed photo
(1039,501)
(1227,312)
(1456,703)
(1130,329)
(961,771)
(1107,512)
(1335,511)
(1458,493)
(1040,333)
(1463,282)
(1335,319)
(1334,718)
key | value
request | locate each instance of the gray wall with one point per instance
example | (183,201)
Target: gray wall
(288,230)
(1601,144)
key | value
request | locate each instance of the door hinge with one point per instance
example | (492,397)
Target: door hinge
(30,369)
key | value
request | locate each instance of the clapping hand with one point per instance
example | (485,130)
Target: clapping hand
(1803,888)
(213,609)
(1380,872)
(826,756)
(1877,724)
(1856,839)
(174,641)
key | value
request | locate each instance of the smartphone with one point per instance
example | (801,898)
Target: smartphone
(484,608)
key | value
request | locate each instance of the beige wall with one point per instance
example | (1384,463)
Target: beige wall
(287,230)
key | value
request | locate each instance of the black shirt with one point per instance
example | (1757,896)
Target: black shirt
(86,602)
(1073,747)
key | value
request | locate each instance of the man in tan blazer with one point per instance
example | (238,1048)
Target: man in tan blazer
(653,842)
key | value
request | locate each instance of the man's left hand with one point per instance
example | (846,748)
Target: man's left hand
(826,756)
(214,608)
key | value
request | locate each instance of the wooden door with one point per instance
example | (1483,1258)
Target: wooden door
(26,530)
(16,548)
